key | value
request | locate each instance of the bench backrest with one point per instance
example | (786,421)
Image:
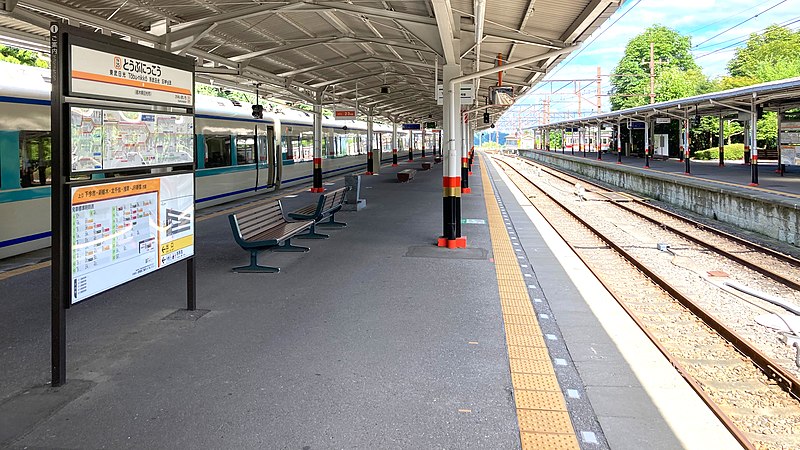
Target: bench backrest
(333,199)
(254,221)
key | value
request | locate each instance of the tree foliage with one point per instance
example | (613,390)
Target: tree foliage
(770,56)
(673,61)
(23,57)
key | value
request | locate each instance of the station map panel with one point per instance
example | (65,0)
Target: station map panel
(790,143)
(121,231)
(106,139)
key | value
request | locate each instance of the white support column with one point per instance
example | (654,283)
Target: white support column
(721,141)
(394,142)
(753,143)
(685,137)
(373,160)
(599,142)
(451,181)
(647,154)
(316,185)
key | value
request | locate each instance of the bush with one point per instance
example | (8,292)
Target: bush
(732,152)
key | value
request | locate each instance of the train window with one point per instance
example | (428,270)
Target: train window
(218,151)
(34,158)
(245,150)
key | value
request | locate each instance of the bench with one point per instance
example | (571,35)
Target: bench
(327,205)
(426,166)
(437,160)
(265,228)
(405,175)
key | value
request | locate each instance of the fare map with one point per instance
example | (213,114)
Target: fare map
(121,231)
(106,139)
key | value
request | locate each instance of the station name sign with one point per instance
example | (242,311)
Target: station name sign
(411,126)
(108,75)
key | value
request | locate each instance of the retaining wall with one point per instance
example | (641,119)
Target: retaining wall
(769,214)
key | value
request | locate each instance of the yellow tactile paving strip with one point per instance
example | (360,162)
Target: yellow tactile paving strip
(542,415)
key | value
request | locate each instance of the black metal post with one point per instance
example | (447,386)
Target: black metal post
(59,215)
(191,284)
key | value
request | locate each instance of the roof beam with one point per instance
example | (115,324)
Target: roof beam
(326,65)
(586,19)
(186,29)
(447,29)
(282,48)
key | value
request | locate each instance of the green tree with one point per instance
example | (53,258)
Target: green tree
(769,56)
(24,57)
(766,57)
(672,55)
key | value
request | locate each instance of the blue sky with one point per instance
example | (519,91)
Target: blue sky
(700,19)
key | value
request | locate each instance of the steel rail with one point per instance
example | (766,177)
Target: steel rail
(741,241)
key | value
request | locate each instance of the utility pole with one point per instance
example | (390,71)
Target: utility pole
(652,74)
(599,90)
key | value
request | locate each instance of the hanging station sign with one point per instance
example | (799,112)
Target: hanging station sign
(466,93)
(411,126)
(96,73)
(344,114)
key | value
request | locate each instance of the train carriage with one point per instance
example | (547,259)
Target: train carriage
(237,156)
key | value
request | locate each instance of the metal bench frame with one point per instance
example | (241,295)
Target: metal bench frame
(327,205)
(250,222)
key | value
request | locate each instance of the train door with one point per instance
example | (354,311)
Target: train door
(272,159)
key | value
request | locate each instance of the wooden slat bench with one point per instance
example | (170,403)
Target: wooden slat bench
(326,206)
(405,175)
(265,228)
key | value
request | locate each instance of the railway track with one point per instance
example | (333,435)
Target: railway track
(751,393)
(778,266)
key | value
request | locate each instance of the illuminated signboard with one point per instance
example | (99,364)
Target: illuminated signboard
(103,74)
(344,114)
(121,231)
(106,139)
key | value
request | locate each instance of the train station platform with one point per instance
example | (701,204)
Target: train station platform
(721,194)
(734,173)
(376,338)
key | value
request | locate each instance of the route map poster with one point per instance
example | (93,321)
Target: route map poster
(789,137)
(107,140)
(121,231)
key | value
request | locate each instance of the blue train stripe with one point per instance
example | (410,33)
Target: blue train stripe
(47,234)
(24,239)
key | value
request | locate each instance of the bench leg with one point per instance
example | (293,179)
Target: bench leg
(332,223)
(288,247)
(312,234)
(254,267)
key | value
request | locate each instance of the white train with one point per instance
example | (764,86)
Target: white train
(229,164)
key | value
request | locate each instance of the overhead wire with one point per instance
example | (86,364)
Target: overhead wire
(740,23)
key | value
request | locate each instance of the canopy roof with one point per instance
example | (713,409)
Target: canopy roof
(340,52)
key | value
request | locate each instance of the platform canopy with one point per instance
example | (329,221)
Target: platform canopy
(343,52)
(770,96)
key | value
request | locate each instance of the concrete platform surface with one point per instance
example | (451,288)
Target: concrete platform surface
(374,339)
